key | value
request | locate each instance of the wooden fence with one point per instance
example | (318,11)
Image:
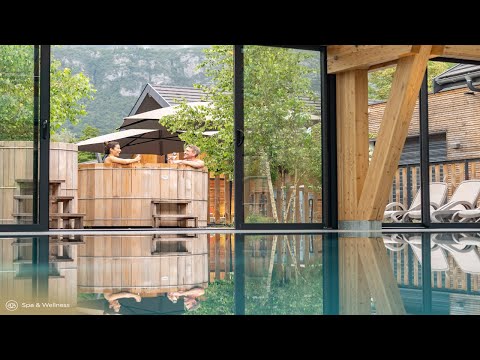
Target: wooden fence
(405,185)
(406,182)
(408,272)
(16,162)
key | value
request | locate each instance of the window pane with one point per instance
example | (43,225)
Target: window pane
(17,148)
(282,136)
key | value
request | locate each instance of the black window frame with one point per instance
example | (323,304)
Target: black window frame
(41,145)
(329,184)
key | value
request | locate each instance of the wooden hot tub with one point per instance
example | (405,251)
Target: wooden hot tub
(144,264)
(130,195)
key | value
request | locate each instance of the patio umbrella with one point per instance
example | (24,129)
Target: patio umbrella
(136,141)
(150,119)
(143,134)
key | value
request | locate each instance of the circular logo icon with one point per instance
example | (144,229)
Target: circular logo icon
(11,305)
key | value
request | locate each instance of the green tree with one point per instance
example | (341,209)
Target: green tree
(280,137)
(88,132)
(287,297)
(69,92)
(380,81)
(66,135)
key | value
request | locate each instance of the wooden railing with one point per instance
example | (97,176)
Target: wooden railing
(407,178)
(408,273)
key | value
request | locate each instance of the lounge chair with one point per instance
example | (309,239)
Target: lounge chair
(394,242)
(471,215)
(464,198)
(464,248)
(438,257)
(438,195)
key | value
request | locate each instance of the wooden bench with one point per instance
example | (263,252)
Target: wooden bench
(161,245)
(55,219)
(59,214)
(27,184)
(162,210)
(175,218)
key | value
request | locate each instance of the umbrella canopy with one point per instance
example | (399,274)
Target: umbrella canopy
(136,141)
(143,134)
(149,119)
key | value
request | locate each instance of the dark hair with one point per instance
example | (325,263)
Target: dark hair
(110,145)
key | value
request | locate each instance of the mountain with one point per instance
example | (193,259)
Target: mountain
(119,73)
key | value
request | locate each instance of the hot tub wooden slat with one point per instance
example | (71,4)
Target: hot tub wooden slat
(115,195)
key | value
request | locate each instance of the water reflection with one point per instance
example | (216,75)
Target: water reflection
(142,274)
(283,274)
(454,269)
(367,283)
(251,274)
(21,288)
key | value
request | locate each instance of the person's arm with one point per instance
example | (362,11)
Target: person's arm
(117,160)
(192,292)
(122,295)
(196,164)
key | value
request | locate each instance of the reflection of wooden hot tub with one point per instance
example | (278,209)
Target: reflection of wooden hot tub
(122,195)
(142,264)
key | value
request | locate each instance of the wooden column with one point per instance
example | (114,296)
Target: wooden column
(363,189)
(392,134)
(352,140)
(378,273)
(352,155)
(353,290)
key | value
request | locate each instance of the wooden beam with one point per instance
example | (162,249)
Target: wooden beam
(351,57)
(465,52)
(354,295)
(352,139)
(383,66)
(437,50)
(379,275)
(393,132)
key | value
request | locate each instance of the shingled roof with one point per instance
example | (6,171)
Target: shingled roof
(454,77)
(172,94)
(160,96)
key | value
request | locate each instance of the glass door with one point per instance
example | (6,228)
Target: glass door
(279,136)
(24,136)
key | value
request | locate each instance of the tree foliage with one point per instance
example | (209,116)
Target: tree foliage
(278,120)
(120,74)
(380,81)
(69,93)
(289,297)
(66,135)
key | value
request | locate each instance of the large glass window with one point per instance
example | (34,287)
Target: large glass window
(282,126)
(453,111)
(19,134)
(403,206)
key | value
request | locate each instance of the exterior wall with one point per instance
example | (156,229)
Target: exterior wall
(148,104)
(16,162)
(450,111)
(117,195)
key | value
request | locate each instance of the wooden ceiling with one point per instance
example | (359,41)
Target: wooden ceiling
(350,57)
